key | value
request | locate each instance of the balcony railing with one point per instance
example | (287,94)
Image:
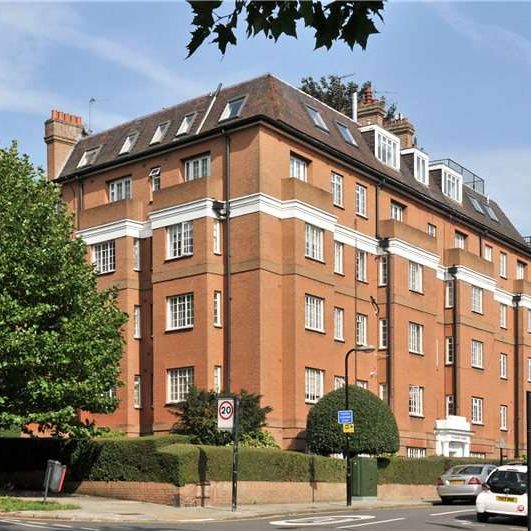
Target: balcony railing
(469,178)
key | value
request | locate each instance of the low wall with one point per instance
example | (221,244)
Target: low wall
(395,491)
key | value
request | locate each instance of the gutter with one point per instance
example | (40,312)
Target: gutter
(455,311)
(517,410)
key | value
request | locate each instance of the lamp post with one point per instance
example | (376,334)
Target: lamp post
(360,348)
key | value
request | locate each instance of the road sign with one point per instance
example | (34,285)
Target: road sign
(225,414)
(348,428)
(345,416)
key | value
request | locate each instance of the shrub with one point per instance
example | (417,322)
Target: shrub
(376,431)
(258,439)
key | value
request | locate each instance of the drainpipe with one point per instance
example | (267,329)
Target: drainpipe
(517,410)
(388,316)
(455,373)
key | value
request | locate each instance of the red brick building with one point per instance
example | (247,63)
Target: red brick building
(256,234)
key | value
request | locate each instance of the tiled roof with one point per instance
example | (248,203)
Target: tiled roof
(268,96)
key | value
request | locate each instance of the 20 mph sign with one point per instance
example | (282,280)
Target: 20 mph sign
(225,413)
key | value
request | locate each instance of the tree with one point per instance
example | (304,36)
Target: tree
(60,340)
(375,433)
(347,21)
(198,416)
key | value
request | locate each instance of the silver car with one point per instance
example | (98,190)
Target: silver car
(463,482)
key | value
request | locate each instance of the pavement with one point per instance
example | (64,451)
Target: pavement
(99,509)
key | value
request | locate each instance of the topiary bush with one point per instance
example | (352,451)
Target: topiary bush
(375,433)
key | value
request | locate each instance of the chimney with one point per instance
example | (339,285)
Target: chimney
(403,129)
(370,111)
(61,132)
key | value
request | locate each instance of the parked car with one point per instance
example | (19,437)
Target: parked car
(463,482)
(504,493)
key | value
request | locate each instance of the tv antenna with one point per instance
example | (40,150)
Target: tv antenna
(91,104)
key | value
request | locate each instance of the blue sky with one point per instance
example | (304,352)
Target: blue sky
(460,71)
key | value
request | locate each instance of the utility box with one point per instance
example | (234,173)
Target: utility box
(364,477)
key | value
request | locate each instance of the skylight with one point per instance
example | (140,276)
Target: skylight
(476,204)
(129,142)
(491,213)
(232,109)
(186,124)
(160,132)
(316,117)
(89,157)
(346,134)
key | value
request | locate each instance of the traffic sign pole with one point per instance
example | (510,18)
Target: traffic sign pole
(235,456)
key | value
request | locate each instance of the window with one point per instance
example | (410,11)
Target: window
(487,252)
(450,405)
(383,333)
(232,109)
(364,384)
(186,124)
(120,189)
(104,257)
(478,455)
(160,131)
(180,240)
(387,150)
(520,270)
(154,176)
(217,379)
(316,117)
(421,169)
(298,168)
(361,200)
(89,157)
(415,338)
(313,313)
(432,230)
(216,237)
(477,299)
(137,391)
(452,185)
(382,392)
(180,312)
(346,134)
(179,383)
(397,211)
(361,265)
(313,385)
(491,213)
(129,142)
(217,308)
(415,277)
(503,366)
(449,350)
(137,323)
(382,270)
(338,324)
(476,204)
(339,382)
(449,293)
(361,329)
(503,315)
(137,264)
(477,410)
(313,237)
(477,354)
(459,240)
(338,258)
(415,453)
(503,418)
(416,401)
(197,168)
(337,189)
(503,265)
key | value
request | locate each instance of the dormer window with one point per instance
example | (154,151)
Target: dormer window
(89,157)
(421,168)
(160,132)
(232,109)
(129,142)
(452,185)
(386,145)
(346,134)
(316,117)
(186,124)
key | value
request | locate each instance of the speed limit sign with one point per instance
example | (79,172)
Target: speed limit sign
(225,413)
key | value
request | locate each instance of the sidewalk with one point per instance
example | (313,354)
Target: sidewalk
(96,509)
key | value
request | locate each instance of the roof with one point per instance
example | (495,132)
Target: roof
(271,98)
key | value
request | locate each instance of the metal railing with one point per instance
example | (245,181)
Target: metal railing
(469,178)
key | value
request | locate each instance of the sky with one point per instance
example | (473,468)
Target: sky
(460,71)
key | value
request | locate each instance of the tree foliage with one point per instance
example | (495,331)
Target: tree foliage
(60,342)
(375,433)
(198,416)
(351,22)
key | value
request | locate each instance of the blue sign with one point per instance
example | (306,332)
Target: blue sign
(346,416)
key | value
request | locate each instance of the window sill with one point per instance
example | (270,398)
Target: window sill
(311,401)
(416,353)
(360,215)
(382,285)
(477,423)
(477,312)
(362,281)
(175,403)
(137,407)
(218,326)
(504,429)
(137,337)
(382,348)
(448,363)
(315,330)
(338,340)
(504,378)
(182,329)
(104,273)
(478,367)
(318,260)
(174,258)
(504,277)
(339,206)
(338,273)
(416,292)
(416,416)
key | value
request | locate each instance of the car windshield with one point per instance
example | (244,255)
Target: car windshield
(454,470)
(508,481)
(471,470)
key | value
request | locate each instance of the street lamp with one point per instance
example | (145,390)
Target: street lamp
(360,348)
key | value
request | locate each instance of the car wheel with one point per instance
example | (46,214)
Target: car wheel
(445,500)
(482,517)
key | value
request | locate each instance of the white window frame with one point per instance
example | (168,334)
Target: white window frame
(459,240)
(383,392)
(339,382)
(504,410)
(503,365)
(421,168)
(338,257)
(416,452)
(477,354)
(363,384)
(361,329)
(476,299)
(180,240)
(529,369)
(449,350)
(197,167)
(520,270)
(154,177)
(397,211)
(339,320)
(129,143)
(314,313)
(346,134)
(137,322)
(361,200)
(416,401)
(452,185)
(503,264)
(186,124)
(432,230)
(137,257)
(298,168)
(313,385)
(477,410)
(216,236)
(361,265)
(487,252)
(217,309)
(160,132)
(178,383)
(180,312)
(383,334)
(383,270)
(316,118)
(503,315)
(336,184)
(137,391)
(104,257)
(233,108)
(415,338)
(120,189)
(89,157)
(386,147)
(415,277)
(313,242)
(217,379)
(449,293)
(449,405)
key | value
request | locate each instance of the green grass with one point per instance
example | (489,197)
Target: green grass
(8,505)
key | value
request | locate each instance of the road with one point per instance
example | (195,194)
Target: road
(407,519)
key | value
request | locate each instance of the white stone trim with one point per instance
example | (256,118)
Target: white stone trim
(202,208)
(503,296)
(415,254)
(380,129)
(356,239)
(114,230)
(525,301)
(475,279)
